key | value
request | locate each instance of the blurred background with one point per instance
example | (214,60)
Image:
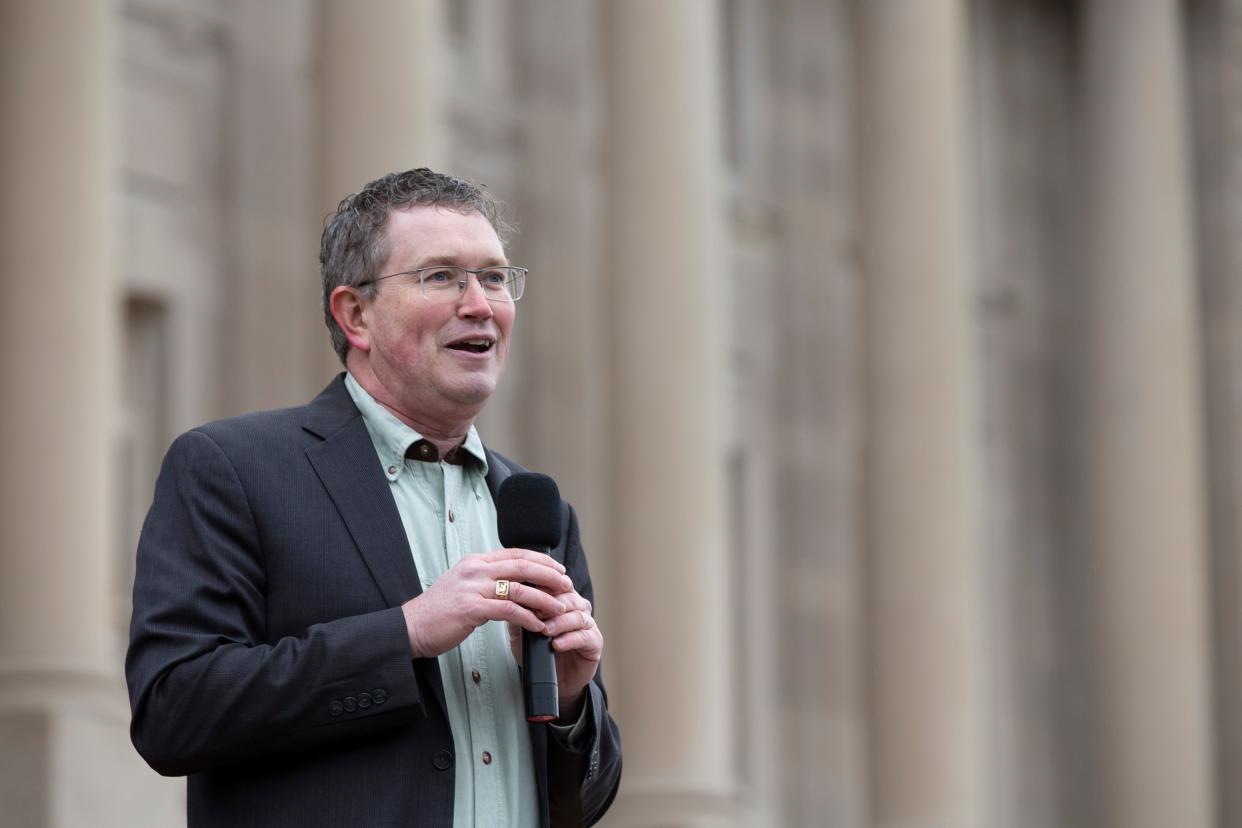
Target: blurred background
(891,352)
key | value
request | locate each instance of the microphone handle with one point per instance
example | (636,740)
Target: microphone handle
(539,675)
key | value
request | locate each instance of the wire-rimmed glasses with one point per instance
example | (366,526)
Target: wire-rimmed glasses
(447,283)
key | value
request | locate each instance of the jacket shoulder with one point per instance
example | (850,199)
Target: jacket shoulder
(298,425)
(265,424)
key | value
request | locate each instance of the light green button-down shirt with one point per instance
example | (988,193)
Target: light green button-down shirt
(447,512)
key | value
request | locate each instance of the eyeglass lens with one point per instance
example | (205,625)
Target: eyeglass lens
(502,284)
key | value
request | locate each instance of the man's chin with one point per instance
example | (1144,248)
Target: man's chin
(474,392)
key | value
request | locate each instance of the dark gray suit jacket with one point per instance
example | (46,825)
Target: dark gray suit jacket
(268,655)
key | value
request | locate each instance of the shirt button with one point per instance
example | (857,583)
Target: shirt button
(474,674)
(392,469)
(451,517)
(487,758)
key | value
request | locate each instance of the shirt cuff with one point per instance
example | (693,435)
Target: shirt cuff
(577,736)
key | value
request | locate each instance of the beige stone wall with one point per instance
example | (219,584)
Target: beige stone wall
(890,352)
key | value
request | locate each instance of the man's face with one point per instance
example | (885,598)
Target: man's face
(416,344)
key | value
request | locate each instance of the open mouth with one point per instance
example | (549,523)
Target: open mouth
(473,346)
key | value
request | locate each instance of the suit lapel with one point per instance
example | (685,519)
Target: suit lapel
(349,469)
(347,465)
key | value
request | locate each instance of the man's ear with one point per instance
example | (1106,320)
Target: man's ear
(346,306)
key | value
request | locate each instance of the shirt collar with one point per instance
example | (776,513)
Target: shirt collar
(393,438)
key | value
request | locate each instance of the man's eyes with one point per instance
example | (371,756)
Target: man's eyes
(490,279)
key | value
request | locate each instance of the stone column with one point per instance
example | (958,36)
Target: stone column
(1146,495)
(559,402)
(1215,57)
(671,671)
(60,332)
(382,102)
(277,337)
(924,612)
(64,751)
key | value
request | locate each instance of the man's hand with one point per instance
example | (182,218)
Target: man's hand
(578,644)
(465,597)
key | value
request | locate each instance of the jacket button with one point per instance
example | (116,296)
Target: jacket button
(334,708)
(364,700)
(443,759)
(351,704)
(379,695)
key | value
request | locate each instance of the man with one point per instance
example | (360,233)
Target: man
(317,634)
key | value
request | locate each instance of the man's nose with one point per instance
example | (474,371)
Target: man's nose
(473,304)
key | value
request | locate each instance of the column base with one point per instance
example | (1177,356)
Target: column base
(66,759)
(672,809)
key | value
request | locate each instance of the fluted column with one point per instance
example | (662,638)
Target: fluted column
(62,710)
(671,659)
(275,348)
(59,338)
(1215,47)
(1145,483)
(382,108)
(382,76)
(924,595)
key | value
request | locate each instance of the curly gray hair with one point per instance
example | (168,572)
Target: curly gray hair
(354,245)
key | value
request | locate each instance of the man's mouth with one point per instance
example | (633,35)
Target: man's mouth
(474,346)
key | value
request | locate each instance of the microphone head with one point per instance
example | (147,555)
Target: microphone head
(528,511)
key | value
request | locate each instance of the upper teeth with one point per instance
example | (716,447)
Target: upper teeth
(475,342)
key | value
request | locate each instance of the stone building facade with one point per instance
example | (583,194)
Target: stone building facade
(891,352)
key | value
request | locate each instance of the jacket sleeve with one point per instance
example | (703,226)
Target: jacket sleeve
(583,776)
(205,686)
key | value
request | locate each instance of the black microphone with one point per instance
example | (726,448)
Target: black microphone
(528,515)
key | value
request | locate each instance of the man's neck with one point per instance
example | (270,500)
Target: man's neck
(444,439)
(446,433)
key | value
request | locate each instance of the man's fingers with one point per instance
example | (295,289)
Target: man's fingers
(573,601)
(586,642)
(497,609)
(517,553)
(570,620)
(534,572)
(535,599)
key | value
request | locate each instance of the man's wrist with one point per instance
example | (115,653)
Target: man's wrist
(574,732)
(408,611)
(571,707)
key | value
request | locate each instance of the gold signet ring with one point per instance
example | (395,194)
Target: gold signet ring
(502,589)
